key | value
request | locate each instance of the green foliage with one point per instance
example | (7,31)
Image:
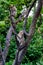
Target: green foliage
(34,54)
(35,50)
(4,10)
(12,49)
(9,63)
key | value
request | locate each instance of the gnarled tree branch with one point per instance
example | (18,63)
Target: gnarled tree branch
(7,43)
(25,20)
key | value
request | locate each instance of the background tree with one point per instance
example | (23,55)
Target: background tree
(34,50)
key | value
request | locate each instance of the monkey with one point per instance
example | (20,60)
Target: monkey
(13,10)
(24,12)
(13,13)
(21,38)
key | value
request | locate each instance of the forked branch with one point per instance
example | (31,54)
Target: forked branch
(21,53)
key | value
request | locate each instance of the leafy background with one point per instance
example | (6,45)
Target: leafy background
(34,54)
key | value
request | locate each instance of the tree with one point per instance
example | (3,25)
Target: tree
(21,50)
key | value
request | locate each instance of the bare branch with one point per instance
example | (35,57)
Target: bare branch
(25,20)
(37,13)
(19,56)
(8,37)
(33,25)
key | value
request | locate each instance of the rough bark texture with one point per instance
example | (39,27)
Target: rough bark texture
(20,50)
(21,53)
